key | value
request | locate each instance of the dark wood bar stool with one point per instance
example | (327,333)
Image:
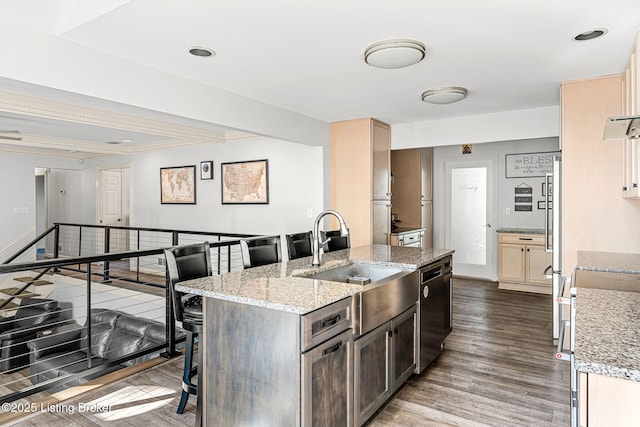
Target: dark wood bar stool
(185,263)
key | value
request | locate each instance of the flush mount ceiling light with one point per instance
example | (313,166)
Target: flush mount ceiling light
(397,53)
(590,35)
(444,95)
(201,51)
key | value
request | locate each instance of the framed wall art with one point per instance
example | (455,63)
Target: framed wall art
(178,185)
(245,182)
(206,170)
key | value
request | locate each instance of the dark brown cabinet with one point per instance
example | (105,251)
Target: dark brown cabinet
(327,383)
(371,380)
(412,190)
(383,360)
(403,338)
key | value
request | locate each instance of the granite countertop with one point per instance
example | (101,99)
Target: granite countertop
(614,262)
(277,286)
(520,230)
(607,333)
(404,230)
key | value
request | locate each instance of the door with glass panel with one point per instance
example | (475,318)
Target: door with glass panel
(470,214)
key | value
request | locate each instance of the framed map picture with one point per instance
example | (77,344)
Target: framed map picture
(178,185)
(245,182)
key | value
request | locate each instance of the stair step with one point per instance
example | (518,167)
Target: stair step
(14,291)
(39,282)
(10,306)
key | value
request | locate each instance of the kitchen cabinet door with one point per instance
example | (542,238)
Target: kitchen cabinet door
(381,211)
(426,173)
(427,224)
(381,158)
(511,262)
(371,372)
(403,341)
(328,383)
(608,401)
(538,260)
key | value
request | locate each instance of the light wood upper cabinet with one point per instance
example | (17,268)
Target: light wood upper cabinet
(381,157)
(360,175)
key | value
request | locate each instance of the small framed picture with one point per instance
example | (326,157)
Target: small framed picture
(541,204)
(206,170)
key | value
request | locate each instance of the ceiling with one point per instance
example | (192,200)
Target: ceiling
(307,56)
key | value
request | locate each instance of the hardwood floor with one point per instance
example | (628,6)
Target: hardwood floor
(497,369)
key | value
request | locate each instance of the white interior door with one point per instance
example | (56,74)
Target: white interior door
(471,214)
(112,207)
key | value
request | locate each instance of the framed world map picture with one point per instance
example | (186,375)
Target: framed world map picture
(178,185)
(245,182)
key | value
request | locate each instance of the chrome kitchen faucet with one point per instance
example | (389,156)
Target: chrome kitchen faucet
(344,232)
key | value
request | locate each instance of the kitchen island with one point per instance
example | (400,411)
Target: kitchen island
(607,338)
(280,348)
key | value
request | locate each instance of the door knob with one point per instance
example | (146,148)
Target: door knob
(488,225)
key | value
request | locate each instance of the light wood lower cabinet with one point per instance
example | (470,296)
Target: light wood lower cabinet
(522,263)
(607,401)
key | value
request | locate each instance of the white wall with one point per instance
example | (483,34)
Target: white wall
(504,126)
(295,186)
(505,186)
(18,207)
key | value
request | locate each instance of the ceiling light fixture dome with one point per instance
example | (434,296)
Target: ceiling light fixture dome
(395,53)
(201,51)
(444,95)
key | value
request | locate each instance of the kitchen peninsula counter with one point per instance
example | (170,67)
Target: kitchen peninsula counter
(279,348)
(607,313)
(283,287)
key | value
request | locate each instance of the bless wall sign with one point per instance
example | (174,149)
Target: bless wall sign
(529,165)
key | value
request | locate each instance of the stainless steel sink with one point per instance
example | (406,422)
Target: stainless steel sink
(357,273)
(387,292)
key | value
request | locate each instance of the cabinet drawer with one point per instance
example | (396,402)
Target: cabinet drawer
(409,239)
(524,239)
(325,323)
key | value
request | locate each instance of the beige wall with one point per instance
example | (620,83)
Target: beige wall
(595,216)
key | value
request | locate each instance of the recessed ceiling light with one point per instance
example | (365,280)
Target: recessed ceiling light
(201,51)
(590,35)
(126,141)
(397,53)
(444,95)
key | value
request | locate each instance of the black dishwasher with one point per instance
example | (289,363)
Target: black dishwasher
(434,311)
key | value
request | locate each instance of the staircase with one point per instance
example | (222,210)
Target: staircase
(11,286)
